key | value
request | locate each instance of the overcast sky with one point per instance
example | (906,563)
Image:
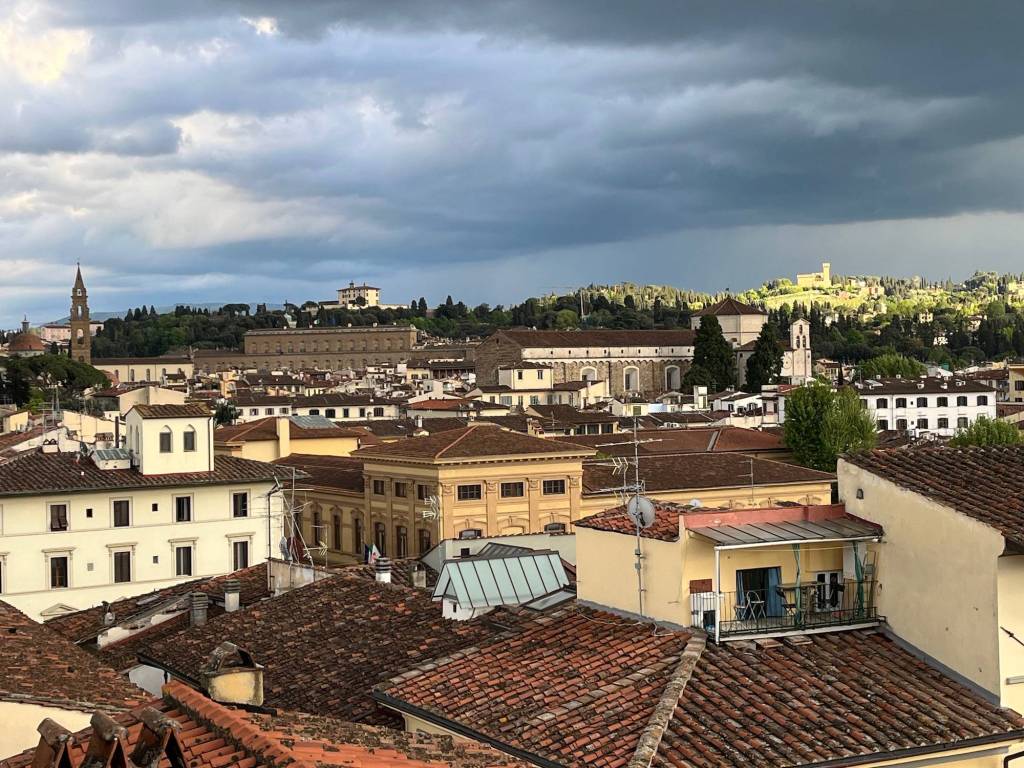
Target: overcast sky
(491,149)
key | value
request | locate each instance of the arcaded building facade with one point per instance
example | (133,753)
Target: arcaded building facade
(648,362)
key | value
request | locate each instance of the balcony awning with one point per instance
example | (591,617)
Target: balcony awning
(847,528)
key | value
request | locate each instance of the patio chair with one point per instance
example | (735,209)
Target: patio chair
(788,607)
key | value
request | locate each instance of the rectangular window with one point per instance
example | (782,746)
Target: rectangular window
(240,504)
(469,493)
(58,517)
(401,541)
(424,541)
(183,560)
(922,423)
(122,513)
(59,572)
(401,489)
(943,423)
(336,531)
(239,555)
(182,509)
(901,402)
(511,490)
(901,423)
(942,402)
(963,422)
(1018,386)
(554,487)
(378,487)
(883,423)
(190,440)
(422,492)
(165,442)
(122,567)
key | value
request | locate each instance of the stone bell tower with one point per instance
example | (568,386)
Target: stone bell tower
(81,339)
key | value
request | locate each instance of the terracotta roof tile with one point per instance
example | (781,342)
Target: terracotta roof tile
(527,338)
(702,470)
(476,440)
(985,483)
(36,472)
(187,411)
(325,645)
(337,472)
(213,735)
(39,666)
(839,695)
(577,686)
(728,307)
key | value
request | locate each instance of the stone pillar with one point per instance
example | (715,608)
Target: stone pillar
(491,499)
(575,496)
(533,495)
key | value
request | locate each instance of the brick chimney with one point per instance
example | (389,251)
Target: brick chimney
(230,676)
(232,590)
(199,605)
(382,570)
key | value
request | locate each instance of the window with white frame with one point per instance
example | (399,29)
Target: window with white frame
(240,504)
(239,554)
(184,558)
(58,566)
(182,509)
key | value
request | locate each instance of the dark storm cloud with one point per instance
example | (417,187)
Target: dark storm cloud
(321,140)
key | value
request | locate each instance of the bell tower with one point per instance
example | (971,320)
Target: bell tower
(81,340)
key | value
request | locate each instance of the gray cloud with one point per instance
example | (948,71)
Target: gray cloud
(186,154)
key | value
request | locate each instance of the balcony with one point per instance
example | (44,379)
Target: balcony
(785,609)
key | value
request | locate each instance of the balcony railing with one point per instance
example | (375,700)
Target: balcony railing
(787,608)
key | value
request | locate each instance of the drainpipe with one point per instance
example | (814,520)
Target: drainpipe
(718,592)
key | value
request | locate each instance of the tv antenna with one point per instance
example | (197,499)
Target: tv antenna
(638,507)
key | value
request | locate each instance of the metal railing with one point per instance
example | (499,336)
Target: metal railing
(786,608)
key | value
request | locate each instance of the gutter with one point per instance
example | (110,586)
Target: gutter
(900,754)
(450,725)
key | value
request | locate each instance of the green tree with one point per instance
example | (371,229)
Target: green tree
(986,431)
(225,413)
(765,364)
(712,357)
(821,424)
(889,365)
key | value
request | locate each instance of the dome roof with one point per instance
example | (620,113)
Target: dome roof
(26,342)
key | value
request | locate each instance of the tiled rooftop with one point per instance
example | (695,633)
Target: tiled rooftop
(187,411)
(696,440)
(325,645)
(577,687)
(702,470)
(527,338)
(985,483)
(212,735)
(837,695)
(39,666)
(340,473)
(476,440)
(36,472)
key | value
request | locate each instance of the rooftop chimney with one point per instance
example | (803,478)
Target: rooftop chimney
(419,576)
(230,676)
(232,588)
(284,436)
(199,605)
(382,570)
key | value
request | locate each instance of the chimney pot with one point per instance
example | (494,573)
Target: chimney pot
(232,588)
(419,576)
(199,606)
(382,570)
(230,676)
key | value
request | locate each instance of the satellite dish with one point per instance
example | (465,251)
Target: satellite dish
(641,511)
(696,503)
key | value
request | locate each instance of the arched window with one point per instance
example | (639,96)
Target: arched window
(672,378)
(588,374)
(631,378)
(166,440)
(401,541)
(336,531)
(317,526)
(380,537)
(189,439)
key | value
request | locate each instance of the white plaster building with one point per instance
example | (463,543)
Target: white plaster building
(78,529)
(927,404)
